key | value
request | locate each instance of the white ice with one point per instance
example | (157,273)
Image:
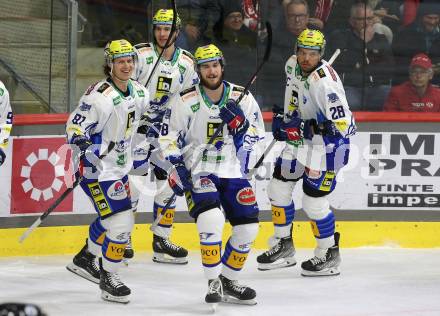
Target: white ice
(373,281)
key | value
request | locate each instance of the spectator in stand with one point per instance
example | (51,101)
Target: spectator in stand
(238,43)
(201,19)
(423,35)
(366,61)
(296,17)
(417,94)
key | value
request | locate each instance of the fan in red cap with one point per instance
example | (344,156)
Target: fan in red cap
(417,94)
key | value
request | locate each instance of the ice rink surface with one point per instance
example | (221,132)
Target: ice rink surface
(373,281)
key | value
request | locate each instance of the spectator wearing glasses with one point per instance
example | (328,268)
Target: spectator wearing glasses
(366,61)
(421,36)
(416,94)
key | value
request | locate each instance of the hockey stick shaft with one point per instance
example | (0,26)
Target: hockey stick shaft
(60,199)
(272,143)
(220,128)
(167,43)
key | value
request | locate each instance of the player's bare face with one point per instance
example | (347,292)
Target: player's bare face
(123,68)
(161,33)
(211,74)
(308,59)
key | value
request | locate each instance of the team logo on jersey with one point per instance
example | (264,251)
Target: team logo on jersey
(293,103)
(85,107)
(333,97)
(117,191)
(246,196)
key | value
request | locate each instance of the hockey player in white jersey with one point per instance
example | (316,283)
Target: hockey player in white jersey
(175,72)
(5,121)
(216,182)
(109,111)
(316,126)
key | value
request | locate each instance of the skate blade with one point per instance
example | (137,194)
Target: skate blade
(232,300)
(213,307)
(163,258)
(115,299)
(279,264)
(334,271)
(81,272)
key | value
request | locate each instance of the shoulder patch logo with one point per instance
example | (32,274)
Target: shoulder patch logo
(140,93)
(321,73)
(117,100)
(85,107)
(1,92)
(289,70)
(103,87)
(193,88)
(149,60)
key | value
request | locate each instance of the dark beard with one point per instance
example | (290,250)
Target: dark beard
(211,86)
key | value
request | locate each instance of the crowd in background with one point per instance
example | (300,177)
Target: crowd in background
(379,41)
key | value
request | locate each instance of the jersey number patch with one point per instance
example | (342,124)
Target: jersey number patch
(337,112)
(78,119)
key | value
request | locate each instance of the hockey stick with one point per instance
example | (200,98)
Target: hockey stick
(272,143)
(167,43)
(61,198)
(220,128)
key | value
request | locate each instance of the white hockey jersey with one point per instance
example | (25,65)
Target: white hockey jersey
(103,115)
(193,119)
(170,77)
(5,116)
(318,96)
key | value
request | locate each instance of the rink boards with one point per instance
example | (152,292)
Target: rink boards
(388,194)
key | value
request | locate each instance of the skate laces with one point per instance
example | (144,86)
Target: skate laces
(215,286)
(115,280)
(237,287)
(317,260)
(169,244)
(274,249)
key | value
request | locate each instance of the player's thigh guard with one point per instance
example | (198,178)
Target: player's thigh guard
(237,249)
(210,225)
(203,196)
(119,227)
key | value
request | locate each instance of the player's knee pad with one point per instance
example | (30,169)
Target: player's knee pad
(238,247)
(280,192)
(322,218)
(119,225)
(210,227)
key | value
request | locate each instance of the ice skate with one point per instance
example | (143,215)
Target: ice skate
(215,293)
(85,265)
(167,252)
(235,293)
(112,288)
(329,265)
(279,256)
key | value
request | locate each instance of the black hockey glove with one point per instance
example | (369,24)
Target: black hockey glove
(2,156)
(179,177)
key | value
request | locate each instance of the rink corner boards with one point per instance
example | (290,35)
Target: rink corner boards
(69,239)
